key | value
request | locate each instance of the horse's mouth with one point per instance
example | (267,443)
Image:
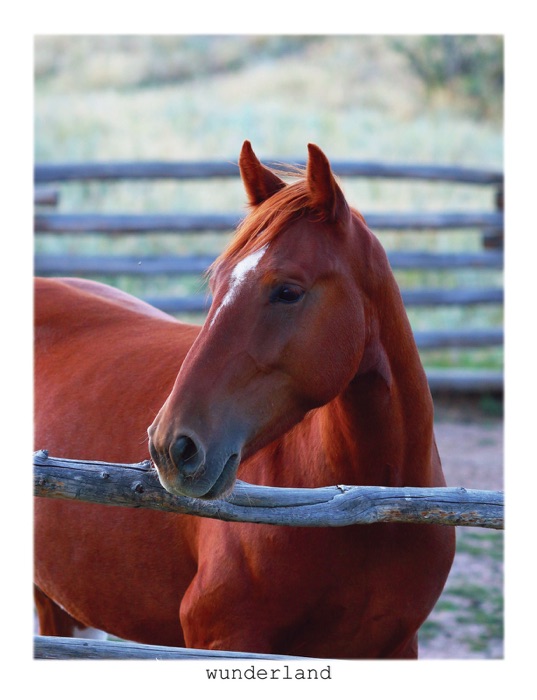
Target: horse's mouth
(223,486)
(200,485)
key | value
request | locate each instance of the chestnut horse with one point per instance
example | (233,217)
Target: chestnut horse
(305,374)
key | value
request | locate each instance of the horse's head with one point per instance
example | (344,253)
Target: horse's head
(286,331)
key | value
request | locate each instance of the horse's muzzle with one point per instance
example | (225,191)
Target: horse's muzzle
(185,468)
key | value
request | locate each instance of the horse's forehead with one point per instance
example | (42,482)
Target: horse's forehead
(242,270)
(306,242)
(246,265)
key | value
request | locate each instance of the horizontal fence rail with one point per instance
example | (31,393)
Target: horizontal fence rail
(411,297)
(137,485)
(466,381)
(192,223)
(66,648)
(136,265)
(478,338)
(163,170)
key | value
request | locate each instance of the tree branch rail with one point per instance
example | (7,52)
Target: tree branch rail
(137,486)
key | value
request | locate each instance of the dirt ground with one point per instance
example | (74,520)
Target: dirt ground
(467,622)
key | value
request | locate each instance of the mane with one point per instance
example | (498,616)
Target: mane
(266,220)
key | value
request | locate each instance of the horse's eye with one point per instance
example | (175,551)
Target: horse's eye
(287,294)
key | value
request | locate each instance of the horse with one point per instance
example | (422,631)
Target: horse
(304,374)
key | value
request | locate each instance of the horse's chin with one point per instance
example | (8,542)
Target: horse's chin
(202,487)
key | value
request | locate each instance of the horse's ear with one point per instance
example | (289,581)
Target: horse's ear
(260,183)
(326,195)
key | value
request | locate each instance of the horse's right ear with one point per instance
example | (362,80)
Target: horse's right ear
(260,183)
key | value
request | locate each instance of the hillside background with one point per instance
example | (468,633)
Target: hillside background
(432,99)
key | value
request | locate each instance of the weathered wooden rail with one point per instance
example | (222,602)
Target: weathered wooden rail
(149,265)
(489,223)
(66,648)
(203,170)
(137,485)
(411,297)
(189,223)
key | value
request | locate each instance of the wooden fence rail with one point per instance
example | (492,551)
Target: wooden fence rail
(164,170)
(195,223)
(176,265)
(200,303)
(66,648)
(137,485)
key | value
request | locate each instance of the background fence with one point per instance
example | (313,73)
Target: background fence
(137,485)
(482,263)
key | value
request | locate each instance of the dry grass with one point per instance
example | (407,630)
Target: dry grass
(183,97)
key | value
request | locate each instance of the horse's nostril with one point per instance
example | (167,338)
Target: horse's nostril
(186,455)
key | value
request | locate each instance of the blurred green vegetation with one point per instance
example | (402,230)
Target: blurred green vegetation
(468,67)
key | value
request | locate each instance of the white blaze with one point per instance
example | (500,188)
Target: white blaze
(241,270)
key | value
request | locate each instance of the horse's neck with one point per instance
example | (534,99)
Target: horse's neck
(379,431)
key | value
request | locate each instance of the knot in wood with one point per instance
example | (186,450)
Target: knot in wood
(138,487)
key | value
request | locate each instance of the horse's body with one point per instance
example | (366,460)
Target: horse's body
(304,374)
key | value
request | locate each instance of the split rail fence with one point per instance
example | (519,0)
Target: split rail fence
(48,178)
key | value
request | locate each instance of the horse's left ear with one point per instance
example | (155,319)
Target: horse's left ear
(326,195)
(260,183)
